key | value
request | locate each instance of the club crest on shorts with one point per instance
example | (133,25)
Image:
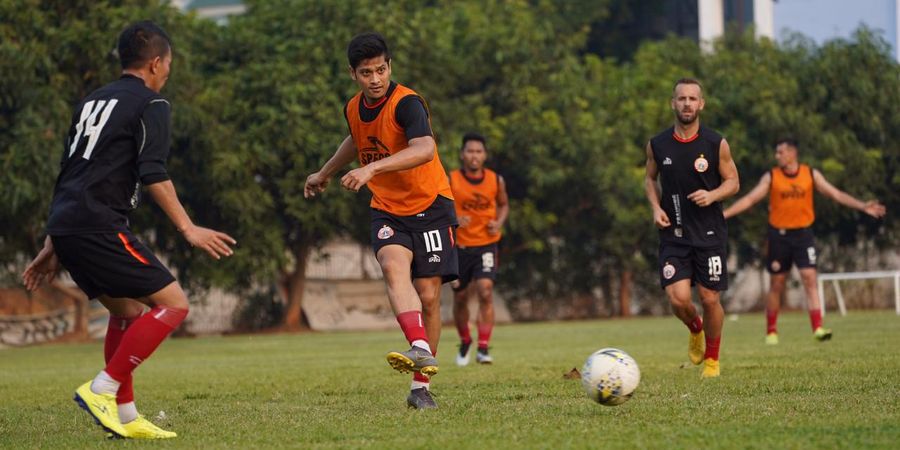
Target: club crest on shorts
(385,232)
(701,164)
(668,271)
(776,266)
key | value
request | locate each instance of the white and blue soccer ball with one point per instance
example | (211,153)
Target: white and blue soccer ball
(610,376)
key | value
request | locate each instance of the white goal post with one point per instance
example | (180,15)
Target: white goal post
(836,277)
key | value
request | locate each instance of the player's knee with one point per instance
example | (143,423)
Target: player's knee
(709,300)
(485,294)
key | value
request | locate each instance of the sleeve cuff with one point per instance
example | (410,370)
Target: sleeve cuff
(154,178)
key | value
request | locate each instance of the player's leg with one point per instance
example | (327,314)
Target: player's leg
(675,274)
(461,291)
(429,291)
(809,277)
(711,276)
(485,290)
(122,314)
(777,283)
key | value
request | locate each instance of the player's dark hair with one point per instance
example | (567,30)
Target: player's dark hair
(140,42)
(472,136)
(687,81)
(789,140)
(367,46)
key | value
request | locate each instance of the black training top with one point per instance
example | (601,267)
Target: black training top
(686,166)
(119,139)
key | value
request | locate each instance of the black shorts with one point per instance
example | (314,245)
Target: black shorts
(477,262)
(111,264)
(787,247)
(701,265)
(430,235)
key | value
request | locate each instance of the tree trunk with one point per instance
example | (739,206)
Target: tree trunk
(625,292)
(294,283)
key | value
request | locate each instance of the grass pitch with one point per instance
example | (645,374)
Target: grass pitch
(335,390)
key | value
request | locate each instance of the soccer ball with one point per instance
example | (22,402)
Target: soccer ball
(610,376)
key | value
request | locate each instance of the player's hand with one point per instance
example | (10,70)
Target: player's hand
(357,178)
(42,269)
(493,227)
(875,209)
(464,221)
(315,183)
(213,242)
(661,219)
(702,197)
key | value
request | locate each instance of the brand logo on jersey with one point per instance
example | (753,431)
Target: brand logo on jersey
(667,161)
(794,192)
(434,259)
(776,266)
(374,153)
(701,164)
(479,203)
(385,232)
(668,271)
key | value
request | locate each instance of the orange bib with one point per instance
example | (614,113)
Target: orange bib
(403,192)
(791,199)
(478,201)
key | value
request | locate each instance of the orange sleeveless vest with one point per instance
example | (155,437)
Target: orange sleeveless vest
(404,192)
(479,203)
(791,199)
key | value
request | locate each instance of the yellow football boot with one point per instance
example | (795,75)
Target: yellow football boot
(696,347)
(142,428)
(710,368)
(102,407)
(772,339)
(822,334)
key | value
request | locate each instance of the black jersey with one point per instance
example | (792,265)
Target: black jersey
(119,139)
(686,166)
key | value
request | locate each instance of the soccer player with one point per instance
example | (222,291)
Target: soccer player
(481,207)
(790,238)
(696,172)
(118,141)
(413,217)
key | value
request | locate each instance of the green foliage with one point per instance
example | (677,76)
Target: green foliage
(284,391)
(258,106)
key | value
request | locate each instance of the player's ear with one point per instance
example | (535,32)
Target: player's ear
(154,64)
(352,73)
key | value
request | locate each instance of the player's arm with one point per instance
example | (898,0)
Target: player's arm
(871,207)
(494,226)
(413,118)
(660,218)
(753,197)
(154,141)
(729,186)
(318,181)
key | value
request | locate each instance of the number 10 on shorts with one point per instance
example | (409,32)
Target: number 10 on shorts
(432,241)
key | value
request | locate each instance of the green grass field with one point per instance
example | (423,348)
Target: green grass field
(318,390)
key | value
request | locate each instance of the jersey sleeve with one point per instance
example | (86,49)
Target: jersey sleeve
(153,139)
(412,116)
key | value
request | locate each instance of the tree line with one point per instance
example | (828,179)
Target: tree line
(258,106)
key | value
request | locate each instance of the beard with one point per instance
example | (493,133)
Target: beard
(687,118)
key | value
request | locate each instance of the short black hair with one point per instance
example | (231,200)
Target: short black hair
(687,80)
(789,140)
(140,42)
(367,46)
(472,136)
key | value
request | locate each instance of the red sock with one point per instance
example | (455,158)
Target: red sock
(484,334)
(815,318)
(771,319)
(412,326)
(695,325)
(141,339)
(417,376)
(712,348)
(114,332)
(465,335)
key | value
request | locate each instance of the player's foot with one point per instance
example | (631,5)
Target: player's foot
(772,339)
(696,347)
(462,358)
(483,357)
(822,334)
(102,407)
(420,399)
(710,368)
(141,428)
(415,359)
